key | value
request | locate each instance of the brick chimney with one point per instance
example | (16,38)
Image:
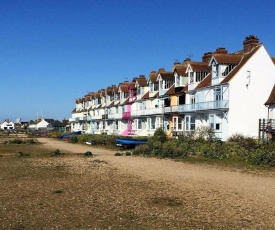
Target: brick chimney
(161,70)
(221,50)
(186,61)
(206,57)
(250,42)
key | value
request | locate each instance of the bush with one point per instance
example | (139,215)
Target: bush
(118,154)
(73,139)
(142,150)
(205,133)
(56,152)
(128,154)
(88,154)
(263,156)
(159,135)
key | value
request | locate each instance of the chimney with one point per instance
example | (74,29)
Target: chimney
(221,50)
(176,63)
(250,42)
(186,61)
(161,70)
(206,57)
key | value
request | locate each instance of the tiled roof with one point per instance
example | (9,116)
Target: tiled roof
(153,76)
(245,58)
(200,66)
(166,75)
(132,85)
(228,58)
(181,70)
(271,99)
(156,95)
(74,110)
(109,91)
(205,82)
(171,90)
(185,89)
(123,88)
(273,59)
(145,96)
(142,81)
(112,104)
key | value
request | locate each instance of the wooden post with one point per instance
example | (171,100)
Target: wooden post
(263,129)
(259,132)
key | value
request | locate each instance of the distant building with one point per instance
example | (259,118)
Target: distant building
(7,125)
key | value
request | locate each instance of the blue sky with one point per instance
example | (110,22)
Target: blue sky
(54,51)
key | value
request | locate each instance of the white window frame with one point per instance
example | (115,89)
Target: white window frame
(190,123)
(215,122)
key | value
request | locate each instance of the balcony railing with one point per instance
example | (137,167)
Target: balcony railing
(115,116)
(146,112)
(126,115)
(210,105)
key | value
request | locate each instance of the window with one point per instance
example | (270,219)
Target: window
(151,85)
(215,122)
(190,123)
(218,95)
(191,77)
(177,80)
(178,123)
(126,94)
(138,123)
(138,91)
(168,84)
(156,87)
(151,123)
(161,84)
(200,76)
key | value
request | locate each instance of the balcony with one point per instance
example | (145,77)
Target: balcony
(126,115)
(147,112)
(210,105)
(115,116)
(71,119)
(104,116)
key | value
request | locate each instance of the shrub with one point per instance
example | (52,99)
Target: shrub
(118,154)
(142,150)
(56,152)
(73,139)
(159,135)
(204,133)
(128,154)
(88,154)
(263,156)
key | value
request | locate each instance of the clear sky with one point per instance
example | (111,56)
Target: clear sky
(53,51)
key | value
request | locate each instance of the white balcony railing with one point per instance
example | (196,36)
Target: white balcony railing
(220,104)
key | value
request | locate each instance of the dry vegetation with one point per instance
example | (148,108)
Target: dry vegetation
(41,190)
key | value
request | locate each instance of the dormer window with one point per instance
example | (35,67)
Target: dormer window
(217,70)
(168,84)
(161,84)
(177,80)
(191,77)
(138,91)
(151,86)
(200,76)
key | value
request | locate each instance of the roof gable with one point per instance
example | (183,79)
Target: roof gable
(244,59)
(165,76)
(205,82)
(271,99)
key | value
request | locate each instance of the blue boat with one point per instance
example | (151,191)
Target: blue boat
(129,142)
(68,135)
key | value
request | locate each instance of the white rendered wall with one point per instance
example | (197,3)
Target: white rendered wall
(247,102)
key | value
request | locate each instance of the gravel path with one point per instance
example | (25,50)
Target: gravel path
(225,194)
